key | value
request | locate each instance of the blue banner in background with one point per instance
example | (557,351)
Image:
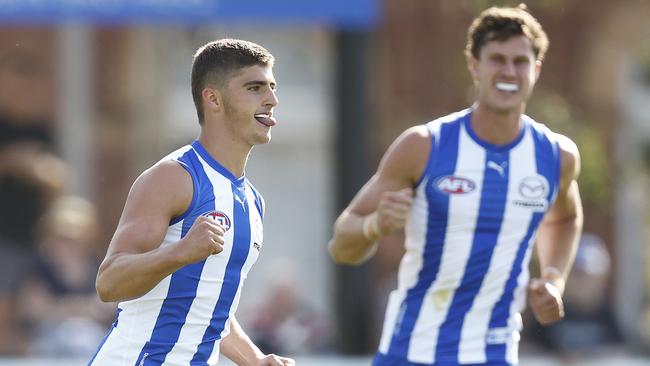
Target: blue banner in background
(339,13)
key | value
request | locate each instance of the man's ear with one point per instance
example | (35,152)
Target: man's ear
(472,65)
(538,69)
(211,100)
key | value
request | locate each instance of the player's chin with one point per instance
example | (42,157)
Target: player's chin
(263,139)
(507,107)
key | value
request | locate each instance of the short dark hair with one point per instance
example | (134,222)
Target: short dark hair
(501,23)
(216,62)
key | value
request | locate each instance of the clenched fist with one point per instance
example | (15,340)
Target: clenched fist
(274,360)
(204,238)
(391,213)
(546,301)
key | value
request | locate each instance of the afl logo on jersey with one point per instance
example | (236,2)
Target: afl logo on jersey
(219,217)
(455,185)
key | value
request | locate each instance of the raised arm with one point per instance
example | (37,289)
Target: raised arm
(557,240)
(382,205)
(135,262)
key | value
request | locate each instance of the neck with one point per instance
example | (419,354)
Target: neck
(227,151)
(495,127)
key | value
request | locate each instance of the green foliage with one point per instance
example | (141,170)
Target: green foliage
(555,111)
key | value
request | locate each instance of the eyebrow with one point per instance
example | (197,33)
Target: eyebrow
(503,55)
(260,83)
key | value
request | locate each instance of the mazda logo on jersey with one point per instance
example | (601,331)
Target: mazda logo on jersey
(455,185)
(219,217)
(533,192)
(533,187)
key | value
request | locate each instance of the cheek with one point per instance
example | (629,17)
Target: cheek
(528,73)
(485,80)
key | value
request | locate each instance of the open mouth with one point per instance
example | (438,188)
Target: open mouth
(507,87)
(265,119)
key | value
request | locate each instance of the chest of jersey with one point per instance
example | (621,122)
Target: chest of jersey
(473,187)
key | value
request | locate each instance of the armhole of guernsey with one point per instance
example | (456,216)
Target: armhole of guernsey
(558,158)
(195,189)
(431,159)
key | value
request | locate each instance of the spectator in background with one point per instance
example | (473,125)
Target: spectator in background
(284,322)
(30,179)
(57,303)
(589,324)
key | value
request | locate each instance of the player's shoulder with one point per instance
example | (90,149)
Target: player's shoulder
(169,176)
(411,144)
(406,158)
(165,188)
(408,154)
(453,118)
(569,155)
(170,170)
(564,143)
(182,155)
(415,135)
(422,133)
(567,146)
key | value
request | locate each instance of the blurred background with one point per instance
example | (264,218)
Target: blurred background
(94,92)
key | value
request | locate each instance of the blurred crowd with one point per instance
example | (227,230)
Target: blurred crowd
(283,322)
(48,305)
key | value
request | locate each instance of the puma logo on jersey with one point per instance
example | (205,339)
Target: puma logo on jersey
(239,199)
(500,168)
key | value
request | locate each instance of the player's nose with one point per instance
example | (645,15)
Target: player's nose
(509,69)
(271,99)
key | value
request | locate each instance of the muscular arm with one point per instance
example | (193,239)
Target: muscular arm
(384,199)
(558,234)
(135,262)
(238,347)
(557,240)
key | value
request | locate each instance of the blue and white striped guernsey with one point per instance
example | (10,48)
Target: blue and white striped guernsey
(182,320)
(462,281)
